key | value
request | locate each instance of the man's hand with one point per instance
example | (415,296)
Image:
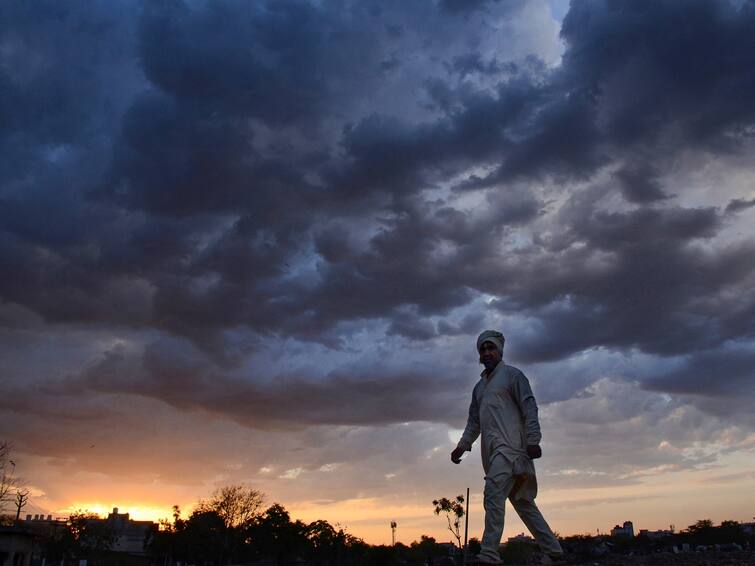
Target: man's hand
(534,451)
(456,454)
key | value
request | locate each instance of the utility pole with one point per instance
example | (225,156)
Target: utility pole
(393,532)
(466,521)
(21,497)
(466,530)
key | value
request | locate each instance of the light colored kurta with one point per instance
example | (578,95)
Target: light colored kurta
(504,410)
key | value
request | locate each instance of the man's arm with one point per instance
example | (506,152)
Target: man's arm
(528,406)
(471,431)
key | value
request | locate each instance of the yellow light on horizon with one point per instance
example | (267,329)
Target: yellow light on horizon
(136,511)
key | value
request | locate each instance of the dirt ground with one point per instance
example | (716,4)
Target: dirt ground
(682,559)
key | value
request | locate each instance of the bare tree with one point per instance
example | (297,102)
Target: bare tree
(9,482)
(235,504)
(22,496)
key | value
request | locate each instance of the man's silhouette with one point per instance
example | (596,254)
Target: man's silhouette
(504,411)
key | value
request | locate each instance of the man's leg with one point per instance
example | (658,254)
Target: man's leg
(498,484)
(535,522)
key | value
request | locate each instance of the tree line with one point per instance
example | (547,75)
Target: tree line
(232,527)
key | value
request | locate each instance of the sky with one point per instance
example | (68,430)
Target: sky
(254,242)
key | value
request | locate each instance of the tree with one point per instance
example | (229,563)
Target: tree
(425,550)
(163,541)
(731,531)
(276,537)
(702,532)
(91,533)
(84,536)
(235,504)
(454,511)
(9,482)
(22,496)
(205,538)
(701,525)
(325,542)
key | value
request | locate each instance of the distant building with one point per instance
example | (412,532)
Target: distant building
(626,531)
(130,534)
(655,534)
(41,525)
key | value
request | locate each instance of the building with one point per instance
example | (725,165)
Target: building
(16,546)
(653,535)
(626,531)
(42,526)
(130,534)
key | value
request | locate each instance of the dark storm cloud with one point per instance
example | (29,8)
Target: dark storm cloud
(634,81)
(210,170)
(55,89)
(462,6)
(726,372)
(280,62)
(472,62)
(661,68)
(639,185)
(636,279)
(178,374)
(411,326)
(738,204)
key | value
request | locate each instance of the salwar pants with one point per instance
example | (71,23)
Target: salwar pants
(499,484)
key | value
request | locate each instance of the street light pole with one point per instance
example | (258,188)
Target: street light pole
(466,524)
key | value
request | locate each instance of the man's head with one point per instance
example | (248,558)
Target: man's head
(490,347)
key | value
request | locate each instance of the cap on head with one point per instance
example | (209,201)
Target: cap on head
(491,336)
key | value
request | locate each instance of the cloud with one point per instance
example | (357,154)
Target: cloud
(175,372)
(457,6)
(719,373)
(251,192)
(294,218)
(737,205)
(216,184)
(656,433)
(639,185)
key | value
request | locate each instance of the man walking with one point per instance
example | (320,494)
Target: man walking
(504,411)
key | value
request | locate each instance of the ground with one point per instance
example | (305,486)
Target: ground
(682,559)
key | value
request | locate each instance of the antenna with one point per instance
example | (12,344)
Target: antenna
(393,532)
